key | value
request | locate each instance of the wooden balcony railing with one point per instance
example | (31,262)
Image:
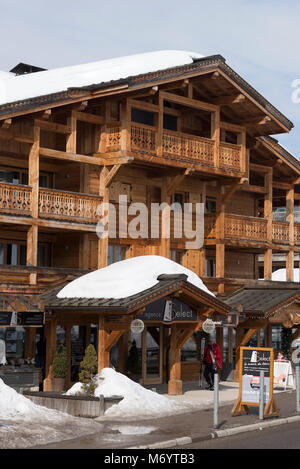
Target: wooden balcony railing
(245,228)
(177,145)
(68,206)
(15,199)
(280,232)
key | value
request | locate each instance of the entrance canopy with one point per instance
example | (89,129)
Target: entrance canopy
(276,304)
(165,295)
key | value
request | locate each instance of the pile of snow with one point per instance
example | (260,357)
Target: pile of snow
(15,88)
(15,405)
(24,424)
(280,275)
(127,278)
(137,401)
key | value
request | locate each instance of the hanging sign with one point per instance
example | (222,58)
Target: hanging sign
(253,360)
(137,326)
(168,311)
(23,319)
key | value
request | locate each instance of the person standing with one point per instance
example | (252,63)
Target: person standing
(212,359)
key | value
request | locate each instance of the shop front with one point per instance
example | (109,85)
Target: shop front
(172,312)
(22,350)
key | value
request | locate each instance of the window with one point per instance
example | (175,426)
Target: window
(116,253)
(15,253)
(210,267)
(176,256)
(21,177)
(179,198)
(211,205)
(170,122)
(142,117)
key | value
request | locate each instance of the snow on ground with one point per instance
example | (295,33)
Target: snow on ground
(15,88)
(24,424)
(137,401)
(280,275)
(125,278)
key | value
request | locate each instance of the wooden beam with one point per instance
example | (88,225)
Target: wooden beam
(228,100)
(89,118)
(109,177)
(177,180)
(74,157)
(193,103)
(49,126)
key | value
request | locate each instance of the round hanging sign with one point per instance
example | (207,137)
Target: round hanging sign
(137,326)
(208,326)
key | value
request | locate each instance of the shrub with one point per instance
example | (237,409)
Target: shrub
(88,370)
(60,363)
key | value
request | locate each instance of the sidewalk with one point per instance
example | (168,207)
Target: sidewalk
(198,425)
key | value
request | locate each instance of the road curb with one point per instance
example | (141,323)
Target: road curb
(188,440)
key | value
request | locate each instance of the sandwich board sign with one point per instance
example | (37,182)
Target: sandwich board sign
(253,360)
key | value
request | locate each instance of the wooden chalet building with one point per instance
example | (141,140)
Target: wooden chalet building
(159,127)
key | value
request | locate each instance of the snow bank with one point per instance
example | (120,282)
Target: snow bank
(137,401)
(280,275)
(25,424)
(13,404)
(126,278)
(53,81)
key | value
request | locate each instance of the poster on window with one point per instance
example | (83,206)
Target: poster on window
(253,361)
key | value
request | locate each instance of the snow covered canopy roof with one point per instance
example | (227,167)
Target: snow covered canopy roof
(128,285)
(66,84)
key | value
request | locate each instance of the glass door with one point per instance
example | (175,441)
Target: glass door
(152,354)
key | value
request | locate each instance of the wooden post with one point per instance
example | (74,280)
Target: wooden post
(69,351)
(215,134)
(103,241)
(220,242)
(103,355)
(33,181)
(30,342)
(291,219)
(268,209)
(175,383)
(50,333)
(165,220)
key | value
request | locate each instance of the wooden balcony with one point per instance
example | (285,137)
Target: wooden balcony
(53,204)
(72,206)
(15,199)
(245,228)
(177,146)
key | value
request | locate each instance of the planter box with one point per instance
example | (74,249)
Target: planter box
(78,406)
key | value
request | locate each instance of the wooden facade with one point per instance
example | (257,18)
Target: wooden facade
(196,134)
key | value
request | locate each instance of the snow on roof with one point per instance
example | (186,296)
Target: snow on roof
(17,88)
(127,278)
(280,275)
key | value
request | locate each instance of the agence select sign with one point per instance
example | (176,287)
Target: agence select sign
(253,360)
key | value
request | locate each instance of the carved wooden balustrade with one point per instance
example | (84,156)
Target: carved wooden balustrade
(245,228)
(68,205)
(176,145)
(230,156)
(15,199)
(297,233)
(188,147)
(280,232)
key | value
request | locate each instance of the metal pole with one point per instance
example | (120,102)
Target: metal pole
(297,370)
(216,399)
(261,394)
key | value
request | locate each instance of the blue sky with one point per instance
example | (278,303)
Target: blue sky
(258,38)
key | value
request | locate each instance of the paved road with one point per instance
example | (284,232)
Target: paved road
(281,437)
